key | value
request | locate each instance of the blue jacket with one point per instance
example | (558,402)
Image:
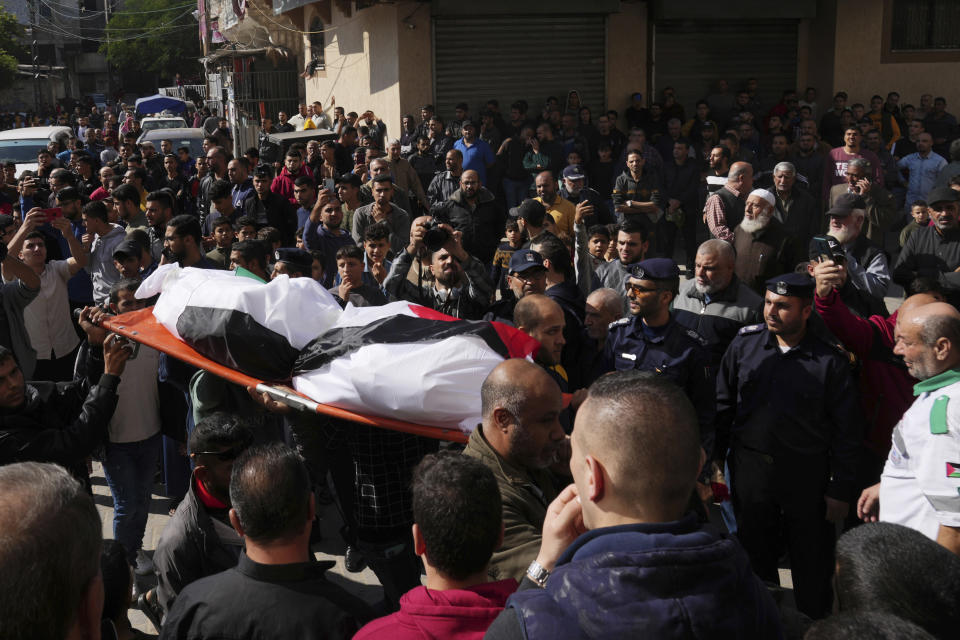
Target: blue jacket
(668,580)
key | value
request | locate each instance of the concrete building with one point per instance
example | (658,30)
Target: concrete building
(392,57)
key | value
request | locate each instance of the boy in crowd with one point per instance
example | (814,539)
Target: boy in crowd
(500,268)
(223,238)
(921,218)
(352,288)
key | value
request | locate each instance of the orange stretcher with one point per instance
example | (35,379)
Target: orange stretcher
(142,327)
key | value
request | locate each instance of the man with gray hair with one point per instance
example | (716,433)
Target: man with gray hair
(715,303)
(920,482)
(724,210)
(795,207)
(861,272)
(49,555)
(764,248)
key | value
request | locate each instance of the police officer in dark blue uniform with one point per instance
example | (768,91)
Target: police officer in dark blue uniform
(652,340)
(787,409)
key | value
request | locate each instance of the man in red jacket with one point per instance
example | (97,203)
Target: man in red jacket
(293,168)
(886,389)
(458,523)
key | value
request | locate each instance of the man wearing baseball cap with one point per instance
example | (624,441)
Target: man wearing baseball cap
(574,188)
(527,275)
(788,414)
(934,252)
(295,263)
(650,339)
(860,272)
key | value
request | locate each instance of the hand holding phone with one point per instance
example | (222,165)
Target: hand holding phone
(52,214)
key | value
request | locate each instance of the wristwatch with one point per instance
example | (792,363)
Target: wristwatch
(538,574)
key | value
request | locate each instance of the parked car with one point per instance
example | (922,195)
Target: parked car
(165,122)
(22,145)
(180,137)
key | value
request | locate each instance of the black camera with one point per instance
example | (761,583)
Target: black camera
(435,237)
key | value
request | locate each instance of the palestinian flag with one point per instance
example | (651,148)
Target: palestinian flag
(400,360)
(953,469)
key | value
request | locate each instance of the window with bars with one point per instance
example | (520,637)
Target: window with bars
(317,43)
(925,25)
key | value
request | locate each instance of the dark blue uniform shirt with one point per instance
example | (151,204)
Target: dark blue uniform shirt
(673,351)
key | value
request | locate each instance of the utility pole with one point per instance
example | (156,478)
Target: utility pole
(106,33)
(34,57)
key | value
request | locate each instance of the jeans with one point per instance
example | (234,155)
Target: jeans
(129,469)
(516,191)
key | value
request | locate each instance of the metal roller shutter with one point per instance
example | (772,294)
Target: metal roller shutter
(509,58)
(690,56)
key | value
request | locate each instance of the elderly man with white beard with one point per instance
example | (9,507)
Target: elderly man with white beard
(764,247)
(716,303)
(862,274)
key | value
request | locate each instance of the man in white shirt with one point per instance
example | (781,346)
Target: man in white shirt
(920,485)
(47,317)
(298,120)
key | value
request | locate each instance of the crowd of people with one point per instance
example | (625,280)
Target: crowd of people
(798,406)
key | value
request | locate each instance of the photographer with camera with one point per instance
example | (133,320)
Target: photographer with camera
(454,282)
(61,423)
(855,266)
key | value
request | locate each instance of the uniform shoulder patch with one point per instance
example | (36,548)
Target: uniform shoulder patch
(697,337)
(751,328)
(618,323)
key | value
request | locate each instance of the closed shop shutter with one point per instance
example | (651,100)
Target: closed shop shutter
(691,56)
(526,57)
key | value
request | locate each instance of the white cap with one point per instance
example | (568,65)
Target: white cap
(766,195)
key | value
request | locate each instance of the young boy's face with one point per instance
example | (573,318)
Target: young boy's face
(574,158)
(223,235)
(316,270)
(350,269)
(376,249)
(604,155)
(920,214)
(513,237)
(597,245)
(300,242)
(247,232)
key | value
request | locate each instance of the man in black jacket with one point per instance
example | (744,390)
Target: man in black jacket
(276,589)
(473,211)
(60,422)
(441,285)
(199,541)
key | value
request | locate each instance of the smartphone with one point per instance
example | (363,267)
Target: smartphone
(827,248)
(53,213)
(328,184)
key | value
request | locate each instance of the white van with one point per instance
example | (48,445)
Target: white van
(22,145)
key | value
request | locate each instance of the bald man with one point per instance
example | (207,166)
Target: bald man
(604,306)
(715,303)
(543,319)
(920,485)
(520,437)
(620,555)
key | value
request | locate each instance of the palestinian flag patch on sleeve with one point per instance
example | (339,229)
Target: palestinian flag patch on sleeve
(953,469)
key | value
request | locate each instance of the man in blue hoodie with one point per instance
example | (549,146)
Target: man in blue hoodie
(619,557)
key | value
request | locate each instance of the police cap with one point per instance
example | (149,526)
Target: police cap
(799,285)
(297,258)
(524,260)
(655,269)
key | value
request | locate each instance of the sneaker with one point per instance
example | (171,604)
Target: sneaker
(353,560)
(144,564)
(150,609)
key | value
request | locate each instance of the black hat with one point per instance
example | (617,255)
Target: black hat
(655,269)
(128,247)
(942,194)
(298,258)
(467,123)
(351,179)
(708,124)
(531,208)
(799,285)
(845,204)
(524,260)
